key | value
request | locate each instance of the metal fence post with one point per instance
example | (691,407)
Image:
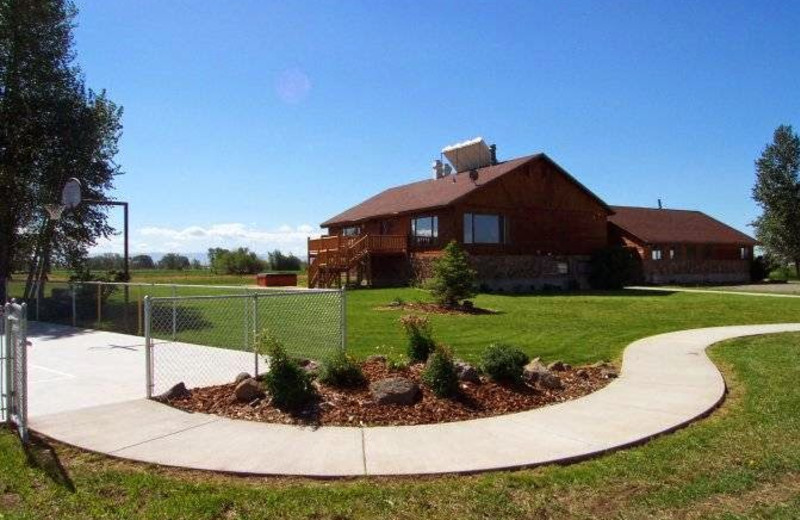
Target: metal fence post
(99,304)
(22,392)
(174,313)
(148,347)
(8,361)
(74,305)
(255,334)
(38,293)
(343,316)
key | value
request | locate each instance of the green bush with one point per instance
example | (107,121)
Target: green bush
(287,383)
(615,267)
(453,277)
(440,373)
(420,338)
(504,363)
(341,370)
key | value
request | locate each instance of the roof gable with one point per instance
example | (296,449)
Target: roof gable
(437,193)
(660,226)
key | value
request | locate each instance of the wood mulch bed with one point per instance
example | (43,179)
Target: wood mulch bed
(355,407)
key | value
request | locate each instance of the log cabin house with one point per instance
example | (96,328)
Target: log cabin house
(681,246)
(526,223)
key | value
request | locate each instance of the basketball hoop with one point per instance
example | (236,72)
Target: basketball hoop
(54,210)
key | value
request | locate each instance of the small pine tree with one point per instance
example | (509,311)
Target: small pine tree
(453,277)
(440,373)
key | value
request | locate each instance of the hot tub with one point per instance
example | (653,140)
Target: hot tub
(276,279)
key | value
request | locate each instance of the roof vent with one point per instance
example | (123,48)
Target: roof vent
(468,155)
(441,170)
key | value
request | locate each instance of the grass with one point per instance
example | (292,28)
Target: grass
(188,276)
(577,328)
(742,462)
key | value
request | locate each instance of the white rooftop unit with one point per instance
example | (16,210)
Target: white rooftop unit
(468,155)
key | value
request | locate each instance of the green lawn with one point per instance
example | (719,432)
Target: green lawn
(742,462)
(577,328)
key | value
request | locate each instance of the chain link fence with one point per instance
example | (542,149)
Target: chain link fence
(13,368)
(115,307)
(208,340)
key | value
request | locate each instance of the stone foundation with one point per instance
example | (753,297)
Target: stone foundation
(517,273)
(667,272)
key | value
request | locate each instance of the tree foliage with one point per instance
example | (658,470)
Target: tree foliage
(106,262)
(279,261)
(777,191)
(238,261)
(174,262)
(453,277)
(142,262)
(51,128)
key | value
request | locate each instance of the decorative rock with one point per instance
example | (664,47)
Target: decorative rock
(395,390)
(583,374)
(610,373)
(375,358)
(558,366)
(310,366)
(248,391)
(178,391)
(533,370)
(467,372)
(550,381)
(241,377)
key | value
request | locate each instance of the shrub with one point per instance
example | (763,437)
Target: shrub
(453,278)
(287,383)
(760,268)
(396,364)
(420,338)
(341,370)
(504,363)
(440,373)
(614,267)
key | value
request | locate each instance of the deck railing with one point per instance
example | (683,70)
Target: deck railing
(337,254)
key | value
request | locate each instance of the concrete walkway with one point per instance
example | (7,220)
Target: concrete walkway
(666,382)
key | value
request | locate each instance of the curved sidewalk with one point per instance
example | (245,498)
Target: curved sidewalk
(666,382)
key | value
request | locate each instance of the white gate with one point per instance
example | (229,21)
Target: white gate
(14,368)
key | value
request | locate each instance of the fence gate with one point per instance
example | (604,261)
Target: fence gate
(14,368)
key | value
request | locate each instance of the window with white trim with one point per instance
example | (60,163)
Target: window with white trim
(656,254)
(425,230)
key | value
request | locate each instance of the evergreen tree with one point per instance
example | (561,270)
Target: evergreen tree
(453,277)
(51,128)
(777,191)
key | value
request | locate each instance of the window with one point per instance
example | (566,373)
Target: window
(672,253)
(425,230)
(744,253)
(351,231)
(484,229)
(656,253)
(563,268)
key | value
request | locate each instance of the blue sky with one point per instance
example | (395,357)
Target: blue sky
(250,122)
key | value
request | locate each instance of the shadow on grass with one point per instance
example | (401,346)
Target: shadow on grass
(41,455)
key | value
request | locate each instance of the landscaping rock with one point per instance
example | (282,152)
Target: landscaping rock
(241,377)
(310,366)
(558,366)
(467,372)
(374,358)
(550,381)
(583,374)
(610,373)
(178,391)
(248,391)
(395,390)
(534,370)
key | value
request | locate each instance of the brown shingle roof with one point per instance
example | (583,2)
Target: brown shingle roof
(659,226)
(437,193)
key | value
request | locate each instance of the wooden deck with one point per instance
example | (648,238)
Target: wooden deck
(329,257)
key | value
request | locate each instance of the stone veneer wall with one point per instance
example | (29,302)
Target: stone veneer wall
(516,273)
(696,271)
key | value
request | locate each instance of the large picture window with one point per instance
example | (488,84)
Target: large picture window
(425,230)
(484,229)
(351,231)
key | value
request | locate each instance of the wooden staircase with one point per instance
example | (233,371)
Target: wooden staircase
(330,257)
